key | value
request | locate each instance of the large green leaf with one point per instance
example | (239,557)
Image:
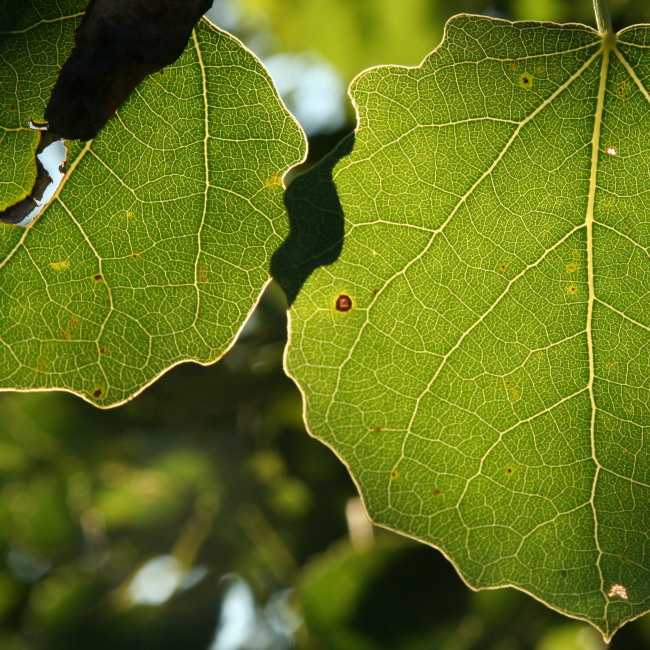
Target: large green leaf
(157,246)
(479,353)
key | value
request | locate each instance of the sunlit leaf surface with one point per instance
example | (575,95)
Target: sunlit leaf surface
(479,353)
(157,246)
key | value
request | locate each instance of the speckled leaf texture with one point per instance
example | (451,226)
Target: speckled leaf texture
(479,353)
(157,247)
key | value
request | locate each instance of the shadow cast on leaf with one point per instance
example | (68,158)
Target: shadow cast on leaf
(315,224)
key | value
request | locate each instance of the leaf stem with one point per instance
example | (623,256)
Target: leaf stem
(603,18)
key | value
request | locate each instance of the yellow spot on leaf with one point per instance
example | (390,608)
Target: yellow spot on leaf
(60,266)
(515,395)
(572,289)
(275,180)
(572,267)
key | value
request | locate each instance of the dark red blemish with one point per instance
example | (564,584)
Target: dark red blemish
(377,429)
(98,277)
(625,451)
(97,392)
(102,350)
(343,303)
(436,492)
(509,470)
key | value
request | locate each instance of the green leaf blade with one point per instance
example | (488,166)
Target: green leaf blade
(157,247)
(466,387)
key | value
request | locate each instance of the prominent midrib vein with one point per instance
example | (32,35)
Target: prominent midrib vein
(589,226)
(206,137)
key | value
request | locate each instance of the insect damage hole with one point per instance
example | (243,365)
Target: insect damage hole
(617,590)
(343,303)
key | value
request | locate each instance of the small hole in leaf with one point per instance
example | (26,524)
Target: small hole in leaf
(97,393)
(617,590)
(343,303)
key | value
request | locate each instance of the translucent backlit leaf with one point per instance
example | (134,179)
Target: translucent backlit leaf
(479,352)
(157,246)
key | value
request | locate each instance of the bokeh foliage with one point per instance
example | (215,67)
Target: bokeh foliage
(229,440)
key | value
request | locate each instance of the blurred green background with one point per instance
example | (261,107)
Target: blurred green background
(201,516)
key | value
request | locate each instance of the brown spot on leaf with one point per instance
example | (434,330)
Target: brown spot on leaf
(436,492)
(526,80)
(102,350)
(343,303)
(98,277)
(623,90)
(97,393)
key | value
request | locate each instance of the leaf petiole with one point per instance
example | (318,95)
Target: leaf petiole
(603,18)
